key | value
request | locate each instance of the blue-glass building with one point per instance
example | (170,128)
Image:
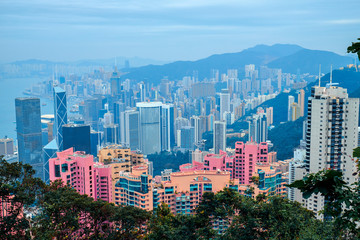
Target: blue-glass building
(29,135)
(77,137)
(60,114)
(49,151)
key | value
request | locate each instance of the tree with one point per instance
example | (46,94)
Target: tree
(354,48)
(19,192)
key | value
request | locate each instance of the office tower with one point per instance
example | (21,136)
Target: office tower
(115,82)
(111,133)
(156,127)
(6,146)
(229,118)
(131,129)
(77,137)
(187,138)
(258,129)
(28,127)
(167,127)
(295,111)
(199,124)
(210,122)
(91,112)
(96,140)
(119,107)
(142,92)
(49,151)
(331,135)
(150,126)
(301,101)
(108,118)
(219,138)
(224,102)
(60,114)
(290,102)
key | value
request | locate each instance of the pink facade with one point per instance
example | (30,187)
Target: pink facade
(241,166)
(79,171)
(246,157)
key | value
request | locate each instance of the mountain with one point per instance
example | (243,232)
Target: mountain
(258,55)
(307,61)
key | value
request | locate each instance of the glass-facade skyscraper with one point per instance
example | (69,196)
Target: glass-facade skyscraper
(77,137)
(28,127)
(60,114)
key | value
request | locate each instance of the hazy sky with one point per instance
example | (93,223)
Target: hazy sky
(170,29)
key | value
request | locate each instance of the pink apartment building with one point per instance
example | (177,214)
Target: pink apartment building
(79,170)
(241,166)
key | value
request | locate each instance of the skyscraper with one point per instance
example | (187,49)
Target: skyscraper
(301,101)
(219,138)
(224,102)
(77,136)
(290,102)
(131,129)
(258,129)
(331,136)
(28,127)
(150,126)
(49,151)
(156,127)
(60,114)
(187,138)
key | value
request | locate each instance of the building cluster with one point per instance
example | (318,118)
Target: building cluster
(124,177)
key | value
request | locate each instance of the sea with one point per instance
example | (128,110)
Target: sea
(11,88)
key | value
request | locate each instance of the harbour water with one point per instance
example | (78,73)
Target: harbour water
(10,89)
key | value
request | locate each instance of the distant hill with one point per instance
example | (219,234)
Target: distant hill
(307,61)
(258,55)
(288,57)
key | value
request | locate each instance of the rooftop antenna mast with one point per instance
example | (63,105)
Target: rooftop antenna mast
(319,74)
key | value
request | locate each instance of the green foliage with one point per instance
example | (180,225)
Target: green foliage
(355,48)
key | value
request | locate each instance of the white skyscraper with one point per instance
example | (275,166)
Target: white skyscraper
(291,100)
(224,102)
(331,136)
(219,138)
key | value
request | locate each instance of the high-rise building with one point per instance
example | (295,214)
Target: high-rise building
(258,130)
(295,111)
(301,101)
(331,136)
(77,137)
(150,126)
(270,116)
(130,130)
(115,82)
(187,138)
(199,124)
(28,127)
(111,133)
(82,174)
(49,151)
(156,123)
(224,102)
(219,138)
(167,127)
(290,102)
(6,146)
(60,114)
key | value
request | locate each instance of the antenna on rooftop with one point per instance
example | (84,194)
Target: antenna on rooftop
(319,74)
(330,75)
